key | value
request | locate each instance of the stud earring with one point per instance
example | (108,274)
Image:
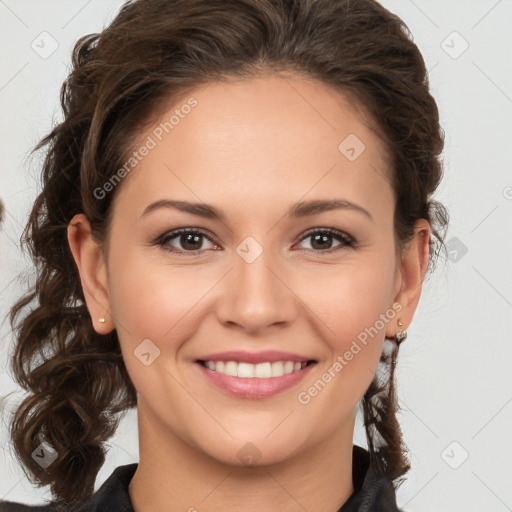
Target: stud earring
(101,320)
(400,335)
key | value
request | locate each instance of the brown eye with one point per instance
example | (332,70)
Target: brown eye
(188,240)
(321,240)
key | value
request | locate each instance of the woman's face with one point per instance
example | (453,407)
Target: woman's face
(263,277)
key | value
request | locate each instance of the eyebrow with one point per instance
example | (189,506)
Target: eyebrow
(302,209)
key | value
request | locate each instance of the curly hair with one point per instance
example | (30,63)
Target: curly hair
(152,51)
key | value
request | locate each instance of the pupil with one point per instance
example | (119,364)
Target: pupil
(185,241)
(321,238)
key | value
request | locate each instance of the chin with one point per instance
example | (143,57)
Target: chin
(257,453)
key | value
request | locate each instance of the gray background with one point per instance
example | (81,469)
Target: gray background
(454,370)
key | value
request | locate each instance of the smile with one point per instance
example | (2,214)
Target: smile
(263,370)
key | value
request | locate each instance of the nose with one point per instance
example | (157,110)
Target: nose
(257,295)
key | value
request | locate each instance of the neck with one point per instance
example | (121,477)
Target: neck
(174,476)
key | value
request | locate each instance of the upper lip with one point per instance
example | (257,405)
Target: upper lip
(240,356)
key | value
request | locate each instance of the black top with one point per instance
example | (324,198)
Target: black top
(372,492)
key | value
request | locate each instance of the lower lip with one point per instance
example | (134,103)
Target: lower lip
(254,388)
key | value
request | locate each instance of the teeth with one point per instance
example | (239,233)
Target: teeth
(245,370)
(259,371)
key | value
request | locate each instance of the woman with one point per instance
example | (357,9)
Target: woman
(232,236)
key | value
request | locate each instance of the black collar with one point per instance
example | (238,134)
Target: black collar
(373,492)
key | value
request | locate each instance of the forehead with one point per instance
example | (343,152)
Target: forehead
(260,135)
(266,110)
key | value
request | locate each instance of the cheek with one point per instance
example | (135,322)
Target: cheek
(155,302)
(353,310)
(351,299)
(151,300)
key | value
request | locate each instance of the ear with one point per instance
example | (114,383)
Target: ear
(92,268)
(412,269)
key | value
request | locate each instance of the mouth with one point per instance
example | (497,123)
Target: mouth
(264,370)
(254,375)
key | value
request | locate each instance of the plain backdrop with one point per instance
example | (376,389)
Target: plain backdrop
(453,375)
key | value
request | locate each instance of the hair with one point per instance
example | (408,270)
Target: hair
(150,53)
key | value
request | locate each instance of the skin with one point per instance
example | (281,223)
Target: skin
(251,148)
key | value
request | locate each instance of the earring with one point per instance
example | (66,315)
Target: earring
(101,320)
(400,335)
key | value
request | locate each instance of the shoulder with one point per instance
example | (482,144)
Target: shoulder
(112,496)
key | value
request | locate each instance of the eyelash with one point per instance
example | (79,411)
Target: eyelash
(347,240)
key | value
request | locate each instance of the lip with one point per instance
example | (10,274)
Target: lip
(254,388)
(240,356)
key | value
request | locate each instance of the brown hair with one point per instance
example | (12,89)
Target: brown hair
(151,52)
